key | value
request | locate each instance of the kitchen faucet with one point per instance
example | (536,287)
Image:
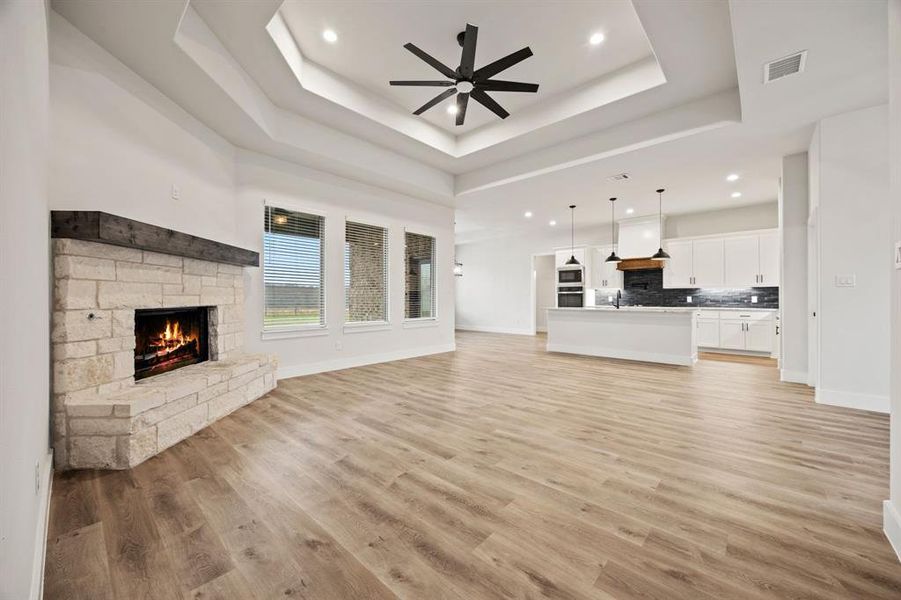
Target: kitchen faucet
(619,295)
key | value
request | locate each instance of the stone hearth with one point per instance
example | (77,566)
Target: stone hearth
(101,417)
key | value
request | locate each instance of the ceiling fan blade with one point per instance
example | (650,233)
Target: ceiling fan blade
(496,85)
(489,103)
(468,57)
(424,83)
(462,101)
(432,61)
(435,100)
(502,64)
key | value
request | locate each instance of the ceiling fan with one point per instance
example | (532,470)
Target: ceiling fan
(467,80)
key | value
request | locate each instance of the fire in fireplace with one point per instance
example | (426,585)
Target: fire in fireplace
(169,338)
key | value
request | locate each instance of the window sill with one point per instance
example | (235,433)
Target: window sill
(417,323)
(360,327)
(283,334)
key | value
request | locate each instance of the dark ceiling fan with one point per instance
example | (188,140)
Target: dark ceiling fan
(467,80)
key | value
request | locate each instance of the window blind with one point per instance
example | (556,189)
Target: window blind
(419,263)
(293,269)
(365,272)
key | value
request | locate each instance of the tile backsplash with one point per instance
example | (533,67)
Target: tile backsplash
(645,288)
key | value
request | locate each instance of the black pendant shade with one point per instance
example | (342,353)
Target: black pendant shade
(613,258)
(572,236)
(661,253)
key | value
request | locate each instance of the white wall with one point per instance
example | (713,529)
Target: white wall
(494,293)
(119,145)
(853,227)
(545,287)
(892,508)
(793,284)
(24,303)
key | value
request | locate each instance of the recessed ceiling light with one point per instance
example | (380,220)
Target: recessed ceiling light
(630,211)
(596,38)
(452,109)
(330,36)
(552,223)
(732,177)
(528,214)
(736,194)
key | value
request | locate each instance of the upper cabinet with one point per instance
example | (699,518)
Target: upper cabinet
(752,260)
(693,263)
(741,260)
(604,274)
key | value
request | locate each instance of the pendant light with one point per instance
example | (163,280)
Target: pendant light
(661,253)
(572,236)
(613,258)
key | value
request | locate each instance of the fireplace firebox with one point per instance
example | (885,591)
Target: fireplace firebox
(167,339)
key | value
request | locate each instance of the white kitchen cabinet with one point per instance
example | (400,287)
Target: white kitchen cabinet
(742,261)
(604,274)
(759,335)
(708,331)
(678,270)
(694,263)
(769,259)
(707,263)
(732,334)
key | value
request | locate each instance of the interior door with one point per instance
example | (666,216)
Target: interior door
(742,262)
(677,272)
(732,334)
(769,259)
(760,336)
(707,261)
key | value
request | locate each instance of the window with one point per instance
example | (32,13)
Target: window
(293,269)
(419,263)
(365,273)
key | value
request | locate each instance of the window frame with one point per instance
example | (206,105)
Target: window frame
(415,322)
(305,330)
(362,326)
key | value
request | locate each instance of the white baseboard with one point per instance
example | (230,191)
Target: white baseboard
(40,535)
(287,371)
(891,526)
(856,400)
(670,359)
(793,376)
(494,330)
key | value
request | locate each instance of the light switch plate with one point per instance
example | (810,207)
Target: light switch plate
(845,281)
(898,255)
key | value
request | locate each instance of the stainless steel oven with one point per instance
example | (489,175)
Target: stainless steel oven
(570,296)
(571,275)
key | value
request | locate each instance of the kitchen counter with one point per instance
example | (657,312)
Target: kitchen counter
(644,333)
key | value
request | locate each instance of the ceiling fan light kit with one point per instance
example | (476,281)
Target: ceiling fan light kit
(466,80)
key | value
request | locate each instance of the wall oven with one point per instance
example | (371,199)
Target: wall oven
(570,296)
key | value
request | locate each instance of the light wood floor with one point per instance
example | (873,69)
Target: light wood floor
(498,471)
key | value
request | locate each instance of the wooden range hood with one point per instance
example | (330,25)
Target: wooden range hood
(640,264)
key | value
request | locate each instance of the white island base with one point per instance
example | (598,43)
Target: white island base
(660,335)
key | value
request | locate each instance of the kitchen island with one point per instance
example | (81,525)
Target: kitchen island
(649,334)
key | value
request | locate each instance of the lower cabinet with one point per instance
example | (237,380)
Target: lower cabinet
(733,330)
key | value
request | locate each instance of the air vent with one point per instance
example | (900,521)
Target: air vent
(619,177)
(785,66)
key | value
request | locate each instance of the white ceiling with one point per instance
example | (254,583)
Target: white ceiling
(682,119)
(372,34)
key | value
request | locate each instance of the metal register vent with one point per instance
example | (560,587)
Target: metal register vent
(785,66)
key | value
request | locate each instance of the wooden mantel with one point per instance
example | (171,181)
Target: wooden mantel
(104,228)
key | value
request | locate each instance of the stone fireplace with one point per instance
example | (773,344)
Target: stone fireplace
(147,345)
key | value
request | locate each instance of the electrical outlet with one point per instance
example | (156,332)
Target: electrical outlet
(176,193)
(845,281)
(753,299)
(898,255)
(339,346)
(688,299)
